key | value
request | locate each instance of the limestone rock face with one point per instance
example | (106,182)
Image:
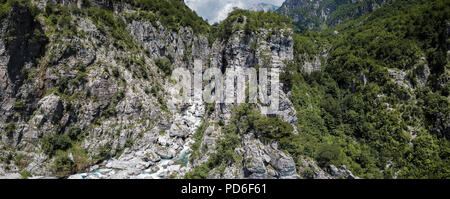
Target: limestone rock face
(17,54)
(263,161)
(341,173)
(310,170)
(113,101)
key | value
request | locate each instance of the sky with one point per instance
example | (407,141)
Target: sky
(217,10)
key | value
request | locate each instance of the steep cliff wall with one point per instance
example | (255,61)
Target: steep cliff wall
(86,90)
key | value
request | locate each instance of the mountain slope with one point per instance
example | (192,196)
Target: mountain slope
(319,14)
(368,90)
(262,7)
(86,91)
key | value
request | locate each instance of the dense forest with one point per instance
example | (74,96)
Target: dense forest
(354,114)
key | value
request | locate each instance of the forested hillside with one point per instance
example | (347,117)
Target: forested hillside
(321,14)
(379,104)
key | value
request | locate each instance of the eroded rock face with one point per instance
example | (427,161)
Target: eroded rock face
(311,66)
(399,77)
(341,173)
(264,161)
(46,119)
(310,170)
(413,78)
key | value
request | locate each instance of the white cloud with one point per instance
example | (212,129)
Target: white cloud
(217,10)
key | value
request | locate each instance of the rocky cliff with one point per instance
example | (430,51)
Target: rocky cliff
(86,94)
